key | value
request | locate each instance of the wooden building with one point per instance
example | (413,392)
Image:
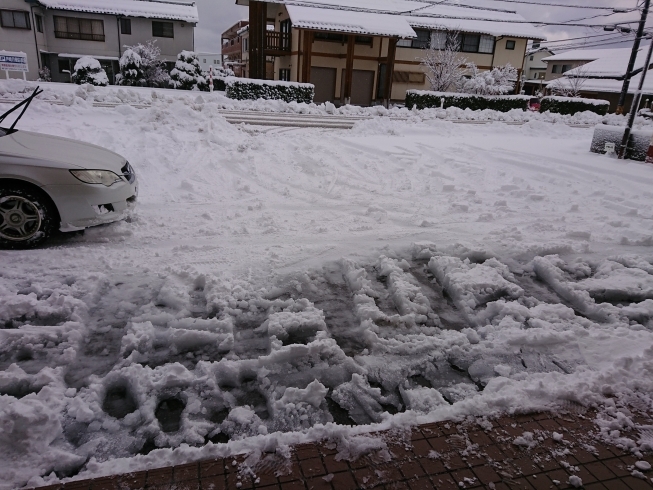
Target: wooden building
(370,52)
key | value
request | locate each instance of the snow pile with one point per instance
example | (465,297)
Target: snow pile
(276,286)
(14,89)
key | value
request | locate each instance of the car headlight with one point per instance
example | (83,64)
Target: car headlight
(104,177)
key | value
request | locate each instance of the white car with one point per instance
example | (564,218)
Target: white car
(49,183)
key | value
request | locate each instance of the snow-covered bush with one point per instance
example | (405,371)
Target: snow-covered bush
(89,70)
(498,81)
(187,74)
(246,88)
(153,68)
(568,105)
(131,72)
(638,143)
(502,103)
(45,75)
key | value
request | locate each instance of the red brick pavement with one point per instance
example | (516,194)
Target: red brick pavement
(444,456)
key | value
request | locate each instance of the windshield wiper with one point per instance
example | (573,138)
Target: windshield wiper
(24,103)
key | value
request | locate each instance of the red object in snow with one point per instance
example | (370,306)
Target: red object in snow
(534,105)
(649,153)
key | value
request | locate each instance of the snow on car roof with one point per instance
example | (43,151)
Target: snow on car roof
(387,17)
(155,9)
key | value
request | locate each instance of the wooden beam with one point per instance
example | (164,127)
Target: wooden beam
(349,68)
(257,38)
(308,51)
(390,69)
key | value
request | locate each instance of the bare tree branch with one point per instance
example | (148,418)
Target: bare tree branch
(445,67)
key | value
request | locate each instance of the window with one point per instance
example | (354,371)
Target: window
(486,45)
(470,43)
(439,40)
(404,43)
(284,74)
(125,26)
(555,69)
(64,65)
(566,68)
(17,19)
(409,77)
(39,22)
(328,36)
(531,58)
(423,40)
(510,45)
(204,60)
(163,29)
(369,40)
(75,28)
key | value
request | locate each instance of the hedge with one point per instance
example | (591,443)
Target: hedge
(638,143)
(568,105)
(502,103)
(219,84)
(249,89)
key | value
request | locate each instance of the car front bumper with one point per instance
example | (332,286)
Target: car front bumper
(84,205)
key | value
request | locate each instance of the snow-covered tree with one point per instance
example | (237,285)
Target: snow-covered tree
(131,72)
(221,71)
(444,64)
(571,84)
(187,74)
(498,81)
(89,70)
(45,75)
(153,68)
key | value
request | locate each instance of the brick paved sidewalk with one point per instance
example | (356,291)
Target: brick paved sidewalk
(442,456)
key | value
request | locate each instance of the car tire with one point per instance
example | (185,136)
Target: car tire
(27,217)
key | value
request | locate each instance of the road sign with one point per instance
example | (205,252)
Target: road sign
(10,61)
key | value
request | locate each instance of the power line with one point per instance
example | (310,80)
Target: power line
(597,44)
(577,38)
(526,2)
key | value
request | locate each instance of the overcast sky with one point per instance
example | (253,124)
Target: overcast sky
(217,15)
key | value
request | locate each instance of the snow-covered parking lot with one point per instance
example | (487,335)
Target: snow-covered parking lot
(281,285)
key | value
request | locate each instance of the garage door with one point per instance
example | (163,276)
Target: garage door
(362,87)
(324,80)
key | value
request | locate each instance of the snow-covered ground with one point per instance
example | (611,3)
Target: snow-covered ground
(281,285)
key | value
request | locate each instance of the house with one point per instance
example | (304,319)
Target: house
(366,52)
(208,60)
(55,33)
(559,64)
(535,69)
(233,47)
(603,76)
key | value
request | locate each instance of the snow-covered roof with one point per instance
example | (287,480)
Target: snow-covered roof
(613,63)
(184,10)
(584,54)
(392,17)
(350,22)
(611,85)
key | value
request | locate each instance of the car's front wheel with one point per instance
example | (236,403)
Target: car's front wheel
(27,217)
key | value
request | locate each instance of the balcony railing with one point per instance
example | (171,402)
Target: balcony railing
(278,41)
(79,35)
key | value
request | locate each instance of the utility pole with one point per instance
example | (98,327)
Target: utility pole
(633,57)
(637,99)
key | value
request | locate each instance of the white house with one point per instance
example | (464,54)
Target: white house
(55,33)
